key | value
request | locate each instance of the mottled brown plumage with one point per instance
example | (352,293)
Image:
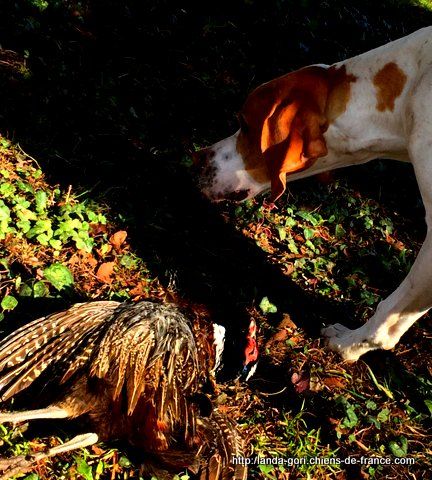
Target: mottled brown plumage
(134,369)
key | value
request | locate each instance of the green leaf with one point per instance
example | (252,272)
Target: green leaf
(290,222)
(310,245)
(339,231)
(351,418)
(266,469)
(26,214)
(84,469)
(399,449)
(32,476)
(25,291)
(309,217)
(59,276)
(4,211)
(7,189)
(282,233)
(56,244)
(40,4)
(374,421)
(23,225)
(43,239)
(308,233)
(383,415)
(40,290)
(25,187)
(428,404)
(128,261)
(84,244)
(9,302)
(292,247)
(124,462)
(41,200)
(99,468)
(41,226)
(266,306)
(22,202)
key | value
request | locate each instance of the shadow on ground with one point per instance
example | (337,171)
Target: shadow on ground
(112,96)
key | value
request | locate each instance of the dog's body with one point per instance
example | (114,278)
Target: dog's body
(375,105)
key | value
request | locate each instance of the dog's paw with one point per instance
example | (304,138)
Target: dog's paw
(350,344)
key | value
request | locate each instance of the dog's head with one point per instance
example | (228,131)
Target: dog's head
(281,131)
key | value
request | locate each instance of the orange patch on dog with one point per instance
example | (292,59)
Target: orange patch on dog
(306,101)
(254,164)
(389,82)
(339,92)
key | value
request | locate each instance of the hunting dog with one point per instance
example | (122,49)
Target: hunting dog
(322,117)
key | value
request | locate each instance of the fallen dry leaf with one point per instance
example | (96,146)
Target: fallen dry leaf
(118,238)
(105,271)
(97,450)
(334,382)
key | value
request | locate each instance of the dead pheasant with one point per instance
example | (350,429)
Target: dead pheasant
(136,371)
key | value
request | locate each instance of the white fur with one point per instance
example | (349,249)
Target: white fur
(219,344)
(360,134)
(230,173)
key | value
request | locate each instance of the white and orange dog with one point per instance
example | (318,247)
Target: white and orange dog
(321,117)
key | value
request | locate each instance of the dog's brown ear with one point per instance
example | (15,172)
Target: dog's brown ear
(292,135)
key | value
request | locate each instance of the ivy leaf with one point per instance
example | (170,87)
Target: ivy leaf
(339,231)
(84,469)
(41,226)
(266,306)
(25,290)
(308,233)
(282,233)
(59,276)
(292,247)
(428,404)
(23,225)
(128,261)
(7,189)
(56,244)
(124,462)
(374,421)
(41,200)
(308,217)
(266,469)
(383,415)
(32,476)
(399,449)
(9,302)
(84,243)
(40,290)
(43,239)
(351,418)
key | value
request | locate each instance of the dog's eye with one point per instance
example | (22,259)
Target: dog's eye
(244,127)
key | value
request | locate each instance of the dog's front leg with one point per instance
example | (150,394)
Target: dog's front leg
(394,315)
